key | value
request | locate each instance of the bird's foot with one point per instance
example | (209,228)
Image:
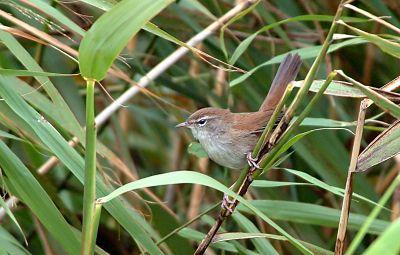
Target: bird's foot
(252,161)
(227,203)
(253,166)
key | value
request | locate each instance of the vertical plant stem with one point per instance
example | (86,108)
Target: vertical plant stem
(344,216)
(89,194)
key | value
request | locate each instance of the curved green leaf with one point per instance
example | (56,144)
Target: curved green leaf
(335,88)
(387,46)
(130,220)
(262,245)
(107,37)
(335,190)
(9,245)
(297,137)
(11,215)
(180,177)
(28,189)
(240,235)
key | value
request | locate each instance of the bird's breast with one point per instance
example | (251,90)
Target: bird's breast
(226,150)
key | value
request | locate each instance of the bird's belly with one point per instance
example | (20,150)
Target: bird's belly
(225,153)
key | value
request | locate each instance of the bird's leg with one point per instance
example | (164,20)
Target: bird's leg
(226,201)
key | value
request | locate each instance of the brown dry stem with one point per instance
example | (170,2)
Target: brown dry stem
(344,216)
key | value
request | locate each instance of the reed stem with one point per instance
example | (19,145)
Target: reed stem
(89,193)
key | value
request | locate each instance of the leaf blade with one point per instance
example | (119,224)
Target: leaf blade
(111,32)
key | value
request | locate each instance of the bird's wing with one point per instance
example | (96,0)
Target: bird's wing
(258,120)
(253,122)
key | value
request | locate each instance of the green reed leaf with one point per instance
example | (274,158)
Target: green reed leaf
(180,177)
(107,37)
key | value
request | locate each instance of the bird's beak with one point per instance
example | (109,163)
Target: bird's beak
(183,124)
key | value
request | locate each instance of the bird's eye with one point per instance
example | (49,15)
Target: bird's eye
(202,122)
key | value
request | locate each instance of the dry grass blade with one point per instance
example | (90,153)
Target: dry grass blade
(44,36)
(391,47)
(383,147)
(392,85)
(378,99)
(347,89)
(22,34)
(369,15)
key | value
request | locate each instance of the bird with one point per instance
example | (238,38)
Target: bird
(229,138)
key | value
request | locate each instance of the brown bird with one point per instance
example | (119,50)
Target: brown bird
(229,138)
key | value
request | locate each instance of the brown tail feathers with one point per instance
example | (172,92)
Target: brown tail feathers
(287,73)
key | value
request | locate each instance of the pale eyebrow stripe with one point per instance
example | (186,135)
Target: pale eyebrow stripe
(207,118)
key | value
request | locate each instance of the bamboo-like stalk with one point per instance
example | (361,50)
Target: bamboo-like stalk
(89,193)
(344,215)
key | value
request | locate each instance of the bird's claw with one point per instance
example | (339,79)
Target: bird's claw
(227,203)
(252,161)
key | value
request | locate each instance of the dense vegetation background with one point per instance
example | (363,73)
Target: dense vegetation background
(40,111)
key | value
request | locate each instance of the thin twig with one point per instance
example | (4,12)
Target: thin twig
(187,224)
(46,244)
(344,216)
